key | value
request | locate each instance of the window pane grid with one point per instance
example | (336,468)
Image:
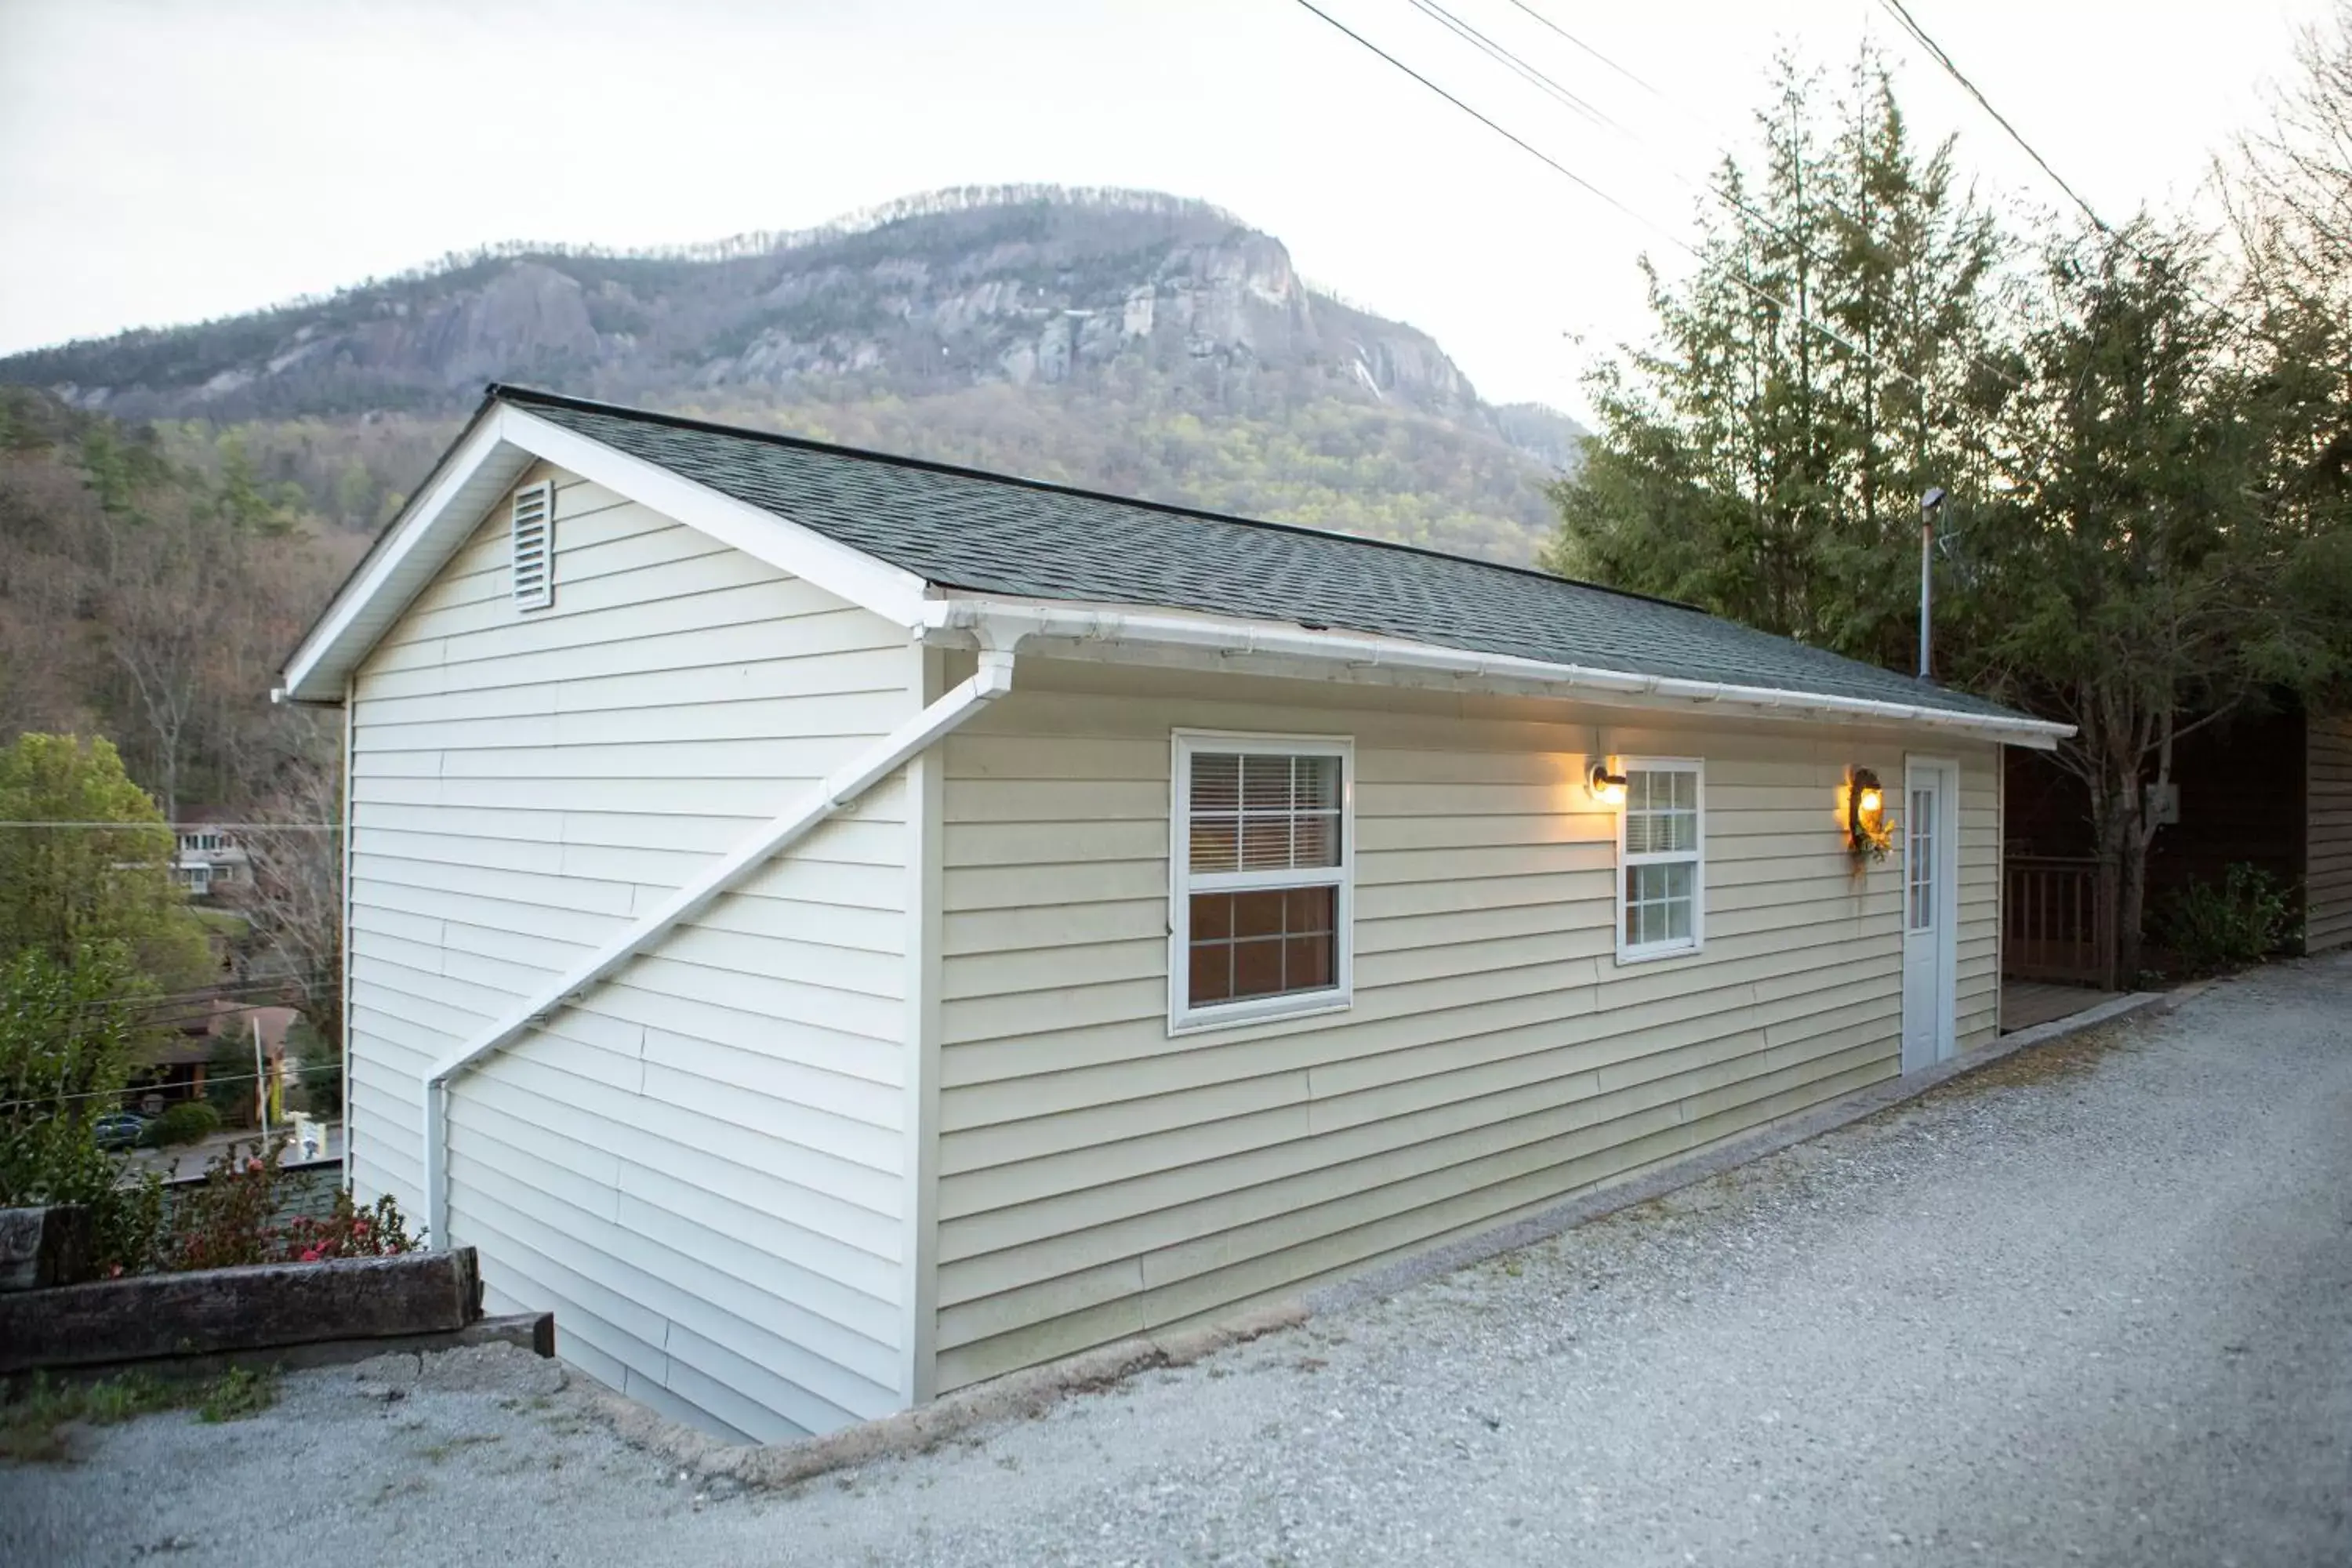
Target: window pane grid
(1270,944)
(1251,812)
(1659,891)
(1262,875)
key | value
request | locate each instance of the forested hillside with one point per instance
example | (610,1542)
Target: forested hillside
(1130,341)
(148,596)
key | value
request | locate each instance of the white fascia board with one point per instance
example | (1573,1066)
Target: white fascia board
(862,580)
(500,445)
(1244,645)
(328,653)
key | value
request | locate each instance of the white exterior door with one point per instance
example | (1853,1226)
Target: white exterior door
(1931,911)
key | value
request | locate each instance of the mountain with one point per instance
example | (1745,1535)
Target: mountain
(1128,340)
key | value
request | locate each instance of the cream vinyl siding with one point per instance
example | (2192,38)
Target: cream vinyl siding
(1097,1178)
(2327,805)
(700,1170)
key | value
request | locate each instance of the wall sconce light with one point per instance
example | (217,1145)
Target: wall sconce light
(1606,787)
(1866,833)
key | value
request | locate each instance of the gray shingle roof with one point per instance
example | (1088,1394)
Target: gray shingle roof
(990,534)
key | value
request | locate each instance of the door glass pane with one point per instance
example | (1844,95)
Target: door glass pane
(1919,860)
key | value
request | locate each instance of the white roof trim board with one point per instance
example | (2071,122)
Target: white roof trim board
(1354,656)
(478,471)
(507,437)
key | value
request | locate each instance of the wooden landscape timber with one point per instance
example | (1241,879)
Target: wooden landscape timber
(149,1317)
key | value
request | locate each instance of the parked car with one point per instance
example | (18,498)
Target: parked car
(118,1129)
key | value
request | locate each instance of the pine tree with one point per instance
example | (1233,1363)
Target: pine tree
(1763,455)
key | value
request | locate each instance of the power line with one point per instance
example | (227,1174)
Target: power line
(1519,64)
(1589,49)
(1463,29)
(190,826)
(201,992)
(1935,52)
(294,1073)
(1557,167)
(1910,24)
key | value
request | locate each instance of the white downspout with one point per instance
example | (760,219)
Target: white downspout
(831,796)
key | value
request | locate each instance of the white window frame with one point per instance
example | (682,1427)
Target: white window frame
(1182,883)
(1697,942)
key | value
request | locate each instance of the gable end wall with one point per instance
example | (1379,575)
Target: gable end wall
(700,1168)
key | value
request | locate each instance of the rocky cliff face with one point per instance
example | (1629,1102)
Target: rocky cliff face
(1126,339)
(1027,286)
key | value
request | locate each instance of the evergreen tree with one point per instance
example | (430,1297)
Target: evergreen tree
(1764,454)
(2141,577)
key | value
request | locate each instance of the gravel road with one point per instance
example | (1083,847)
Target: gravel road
(2092,1305)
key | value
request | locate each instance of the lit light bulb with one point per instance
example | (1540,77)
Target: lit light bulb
(1872,802)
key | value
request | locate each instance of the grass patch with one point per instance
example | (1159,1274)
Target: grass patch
(237,1394)
(36,1427)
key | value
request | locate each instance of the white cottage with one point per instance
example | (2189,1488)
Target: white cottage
(834,928)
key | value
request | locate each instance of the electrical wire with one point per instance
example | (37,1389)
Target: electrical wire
(226,988)
(1519,65)
(190,826)
(1902,14)
(1496,52)
(293,1074)
(1589,49)
(1798,316)
(1935,52)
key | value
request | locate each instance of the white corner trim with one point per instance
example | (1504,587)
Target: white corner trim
(824,800)
(1355,655)
(870,583)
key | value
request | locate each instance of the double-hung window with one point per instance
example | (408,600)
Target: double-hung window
(1262,859)
(1661,880)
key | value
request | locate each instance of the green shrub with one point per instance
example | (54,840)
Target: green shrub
(2242,921)
(189,1122)
(65,1039)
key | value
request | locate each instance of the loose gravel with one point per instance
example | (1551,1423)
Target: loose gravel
(2092,1305)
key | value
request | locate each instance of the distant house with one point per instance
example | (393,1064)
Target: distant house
(835,928)
(208,857)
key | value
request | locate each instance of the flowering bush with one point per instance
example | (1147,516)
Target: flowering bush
(234,1219)
(377,1231)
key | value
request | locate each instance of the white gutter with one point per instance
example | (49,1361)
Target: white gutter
(1231,636)
(831,796)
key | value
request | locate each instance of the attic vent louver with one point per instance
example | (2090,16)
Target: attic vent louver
(535,546)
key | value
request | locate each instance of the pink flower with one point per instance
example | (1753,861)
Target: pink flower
(311,1255)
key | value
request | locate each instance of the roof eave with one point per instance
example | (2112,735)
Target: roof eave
(1234,643)
(502,441)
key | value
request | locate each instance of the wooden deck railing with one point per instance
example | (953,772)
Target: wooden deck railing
(2054,924)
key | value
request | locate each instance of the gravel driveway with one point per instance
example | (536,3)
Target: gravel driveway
(2094,1305)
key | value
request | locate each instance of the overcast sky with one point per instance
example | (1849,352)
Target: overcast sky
(166,161)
